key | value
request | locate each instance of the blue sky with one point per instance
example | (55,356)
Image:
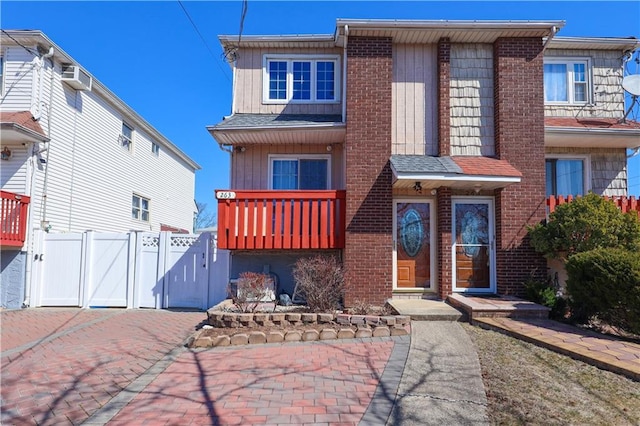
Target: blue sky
(150,55)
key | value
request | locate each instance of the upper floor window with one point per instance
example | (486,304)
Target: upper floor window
(566,176)
(155,149)
(303,79)
(566,81)
(299,172)
(126,137)
(140,208)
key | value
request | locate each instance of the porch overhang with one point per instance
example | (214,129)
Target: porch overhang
(591,133)
(20,127)
(477,173)
(260,129)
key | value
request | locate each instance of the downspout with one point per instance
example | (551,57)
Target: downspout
(29,237)
(344,75)
(554,31)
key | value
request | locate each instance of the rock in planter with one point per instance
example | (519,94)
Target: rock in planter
(328,334)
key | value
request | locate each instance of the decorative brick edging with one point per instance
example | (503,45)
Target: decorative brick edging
(366,326)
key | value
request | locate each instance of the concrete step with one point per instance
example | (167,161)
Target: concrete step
(426,310)
(497,307)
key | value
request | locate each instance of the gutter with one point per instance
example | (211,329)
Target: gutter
(276,127)
(19,128)
(577,130)
(554,31)
(447,24)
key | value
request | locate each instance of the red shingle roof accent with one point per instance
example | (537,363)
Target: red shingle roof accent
(591,123)
(486,166)
(22,118)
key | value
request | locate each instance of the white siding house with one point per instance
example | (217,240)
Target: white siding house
(85,158)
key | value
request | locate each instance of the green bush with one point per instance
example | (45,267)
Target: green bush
(586,223)
(320,281)
(605,283)
(545,293)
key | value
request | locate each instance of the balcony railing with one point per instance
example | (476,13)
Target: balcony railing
(625,204)
(14,219)
(250,220)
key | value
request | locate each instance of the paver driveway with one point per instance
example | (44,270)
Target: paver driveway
(69,366)
(61,365)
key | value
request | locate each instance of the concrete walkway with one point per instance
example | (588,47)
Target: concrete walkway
(441,382)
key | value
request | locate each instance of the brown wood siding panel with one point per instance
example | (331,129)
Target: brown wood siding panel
(414,99)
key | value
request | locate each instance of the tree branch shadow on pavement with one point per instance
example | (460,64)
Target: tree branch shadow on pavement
(260,377)
(73,375)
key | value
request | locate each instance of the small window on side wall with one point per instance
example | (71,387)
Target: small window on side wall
(126,137)
(140,208)
(155,149)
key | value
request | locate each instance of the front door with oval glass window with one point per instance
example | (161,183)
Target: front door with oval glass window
(413,245)
(473,257)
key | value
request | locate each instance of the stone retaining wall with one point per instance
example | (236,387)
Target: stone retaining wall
(365,326)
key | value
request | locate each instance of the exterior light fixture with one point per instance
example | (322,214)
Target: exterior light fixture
(417,187)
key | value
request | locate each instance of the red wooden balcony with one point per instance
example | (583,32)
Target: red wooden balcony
(281,219)
(13,213)
(625,204)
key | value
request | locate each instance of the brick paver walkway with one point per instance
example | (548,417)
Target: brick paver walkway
(608,353)
(61,365)
(301,383)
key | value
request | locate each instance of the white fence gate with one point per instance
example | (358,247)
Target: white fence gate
(133,270)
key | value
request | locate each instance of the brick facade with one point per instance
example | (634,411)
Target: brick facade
(367,254)
(444,101)
(444,243)
(443,200)
(519,128)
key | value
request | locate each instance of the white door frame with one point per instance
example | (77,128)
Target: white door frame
(492,245)
(432,252)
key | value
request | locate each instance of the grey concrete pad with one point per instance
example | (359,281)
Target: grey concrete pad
(441,382)
(426,310)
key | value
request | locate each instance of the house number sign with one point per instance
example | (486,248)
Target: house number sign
(225,195)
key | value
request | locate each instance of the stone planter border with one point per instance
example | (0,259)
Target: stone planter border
(366,326)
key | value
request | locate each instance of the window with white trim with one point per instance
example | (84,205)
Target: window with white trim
(566,176)
(155,149)
(299,172)
(301,79)
(567,81)
(140,208)
(126,137)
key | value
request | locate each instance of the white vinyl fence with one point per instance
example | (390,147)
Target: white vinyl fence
(132,270)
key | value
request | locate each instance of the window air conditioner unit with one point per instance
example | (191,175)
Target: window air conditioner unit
(76,77)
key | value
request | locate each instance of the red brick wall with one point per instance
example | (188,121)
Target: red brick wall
(367,253)
(519,129)
(444,242)
(444,101)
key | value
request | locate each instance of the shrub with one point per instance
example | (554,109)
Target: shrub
(585,224)
(605,283)
(252,289)
(546,294)
(320,281)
